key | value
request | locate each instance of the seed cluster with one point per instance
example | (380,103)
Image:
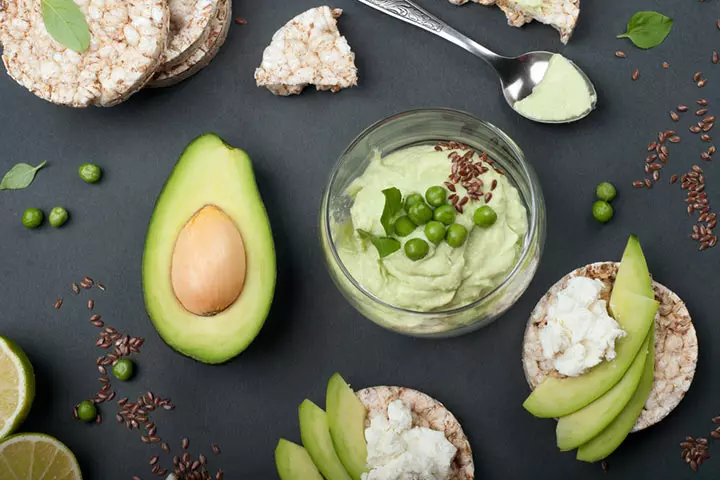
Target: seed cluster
(694,183)
(186,467)
(694,452)
(694,180)
(466,172)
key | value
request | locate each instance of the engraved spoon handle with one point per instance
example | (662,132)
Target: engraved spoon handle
(407,11)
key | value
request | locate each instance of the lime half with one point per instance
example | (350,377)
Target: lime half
(34,456)
(17,386)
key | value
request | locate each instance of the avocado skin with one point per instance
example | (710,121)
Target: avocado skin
(209,172)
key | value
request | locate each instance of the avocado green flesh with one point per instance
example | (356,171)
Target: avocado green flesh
(209,172)
(294,463)
(315,433)
(557,397)
(633,274)
(346,416)
(578,428)
(612,437)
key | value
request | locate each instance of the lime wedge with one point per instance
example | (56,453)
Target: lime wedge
(17,386)
(34,456)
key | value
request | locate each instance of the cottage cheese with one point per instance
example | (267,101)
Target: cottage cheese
(397,451)
(579,333)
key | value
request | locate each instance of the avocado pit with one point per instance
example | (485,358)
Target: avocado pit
(208,265)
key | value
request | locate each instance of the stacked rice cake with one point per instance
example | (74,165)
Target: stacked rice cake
(132,43)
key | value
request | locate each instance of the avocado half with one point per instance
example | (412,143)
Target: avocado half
(209,265)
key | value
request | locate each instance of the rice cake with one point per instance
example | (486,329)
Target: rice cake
(560,14)
(308,50)
(676,345)
(426,412)
(203,54)
(127,41)
(190,25)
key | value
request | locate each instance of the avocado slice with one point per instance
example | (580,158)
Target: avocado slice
(612,437)
(633,274)
(315,433)
(209,261)
(579,427)
(346,416)
(557,397)
(294,463)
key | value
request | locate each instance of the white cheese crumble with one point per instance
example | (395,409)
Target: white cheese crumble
(579,333)
(397,451)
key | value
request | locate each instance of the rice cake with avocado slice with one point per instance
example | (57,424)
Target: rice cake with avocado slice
(580,427)
(612,437)
(294,463)
(676,345)
(557,396)
(426,412)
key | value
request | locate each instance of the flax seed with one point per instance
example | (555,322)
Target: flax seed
(635,74)
(620,54)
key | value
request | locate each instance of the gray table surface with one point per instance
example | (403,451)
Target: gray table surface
(247,404)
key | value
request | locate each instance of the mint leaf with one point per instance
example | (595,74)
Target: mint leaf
(384,245)
(648,29)
(393,204)
(20,176)
(65,22)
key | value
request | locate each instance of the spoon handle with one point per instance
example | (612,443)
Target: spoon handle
(411,13)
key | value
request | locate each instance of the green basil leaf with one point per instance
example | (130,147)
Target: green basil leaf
(66,24)
(393,204)
(384,245)
(20,176)
(648,29)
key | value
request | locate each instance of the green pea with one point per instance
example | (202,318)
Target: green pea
(445,214)
(412,199)
(404,226)
(124,369)
(420,213)
(58,216)
(32,218)
(485,216)
(456,235)
(416,249)
(436,196)
(87,411)
(606,191)
(435,232)
(90,173)
(602,211)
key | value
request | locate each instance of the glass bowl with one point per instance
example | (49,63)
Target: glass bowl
(430,126)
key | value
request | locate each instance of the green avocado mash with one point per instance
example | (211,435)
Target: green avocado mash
(447,277)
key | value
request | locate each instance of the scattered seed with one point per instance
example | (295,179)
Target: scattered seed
(101,286)
(701,112)
(673,179)
(638,184)
(75,288)
(703,102)
(240,21)
(185,443)
(674,116)
(665,65)
(91,304)
(697,76)
(682,108)
(635,74)
(702,83)
(58,303)
(715,57)
(604,466)
(674,139)
(620,54)
(215,449)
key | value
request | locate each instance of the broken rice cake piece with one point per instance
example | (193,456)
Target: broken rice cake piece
(560,14)
(308,50)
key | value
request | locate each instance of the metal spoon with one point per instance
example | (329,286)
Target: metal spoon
(518,75)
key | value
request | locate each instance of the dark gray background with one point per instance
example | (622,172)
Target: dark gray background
(247,404)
